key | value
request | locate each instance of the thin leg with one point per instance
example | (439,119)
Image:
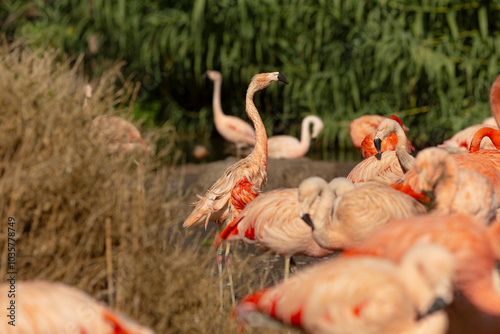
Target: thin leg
(287,268)
(226,260)
(221,286)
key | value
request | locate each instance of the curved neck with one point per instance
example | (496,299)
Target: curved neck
(495,100)
(260,150)
(491,133)
(305,135)
(216,103)
(416,287)
(406,160)
(446,186)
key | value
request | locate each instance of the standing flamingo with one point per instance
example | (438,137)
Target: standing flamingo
(352,295)
(389,143)
(349,219)
(242,181)
(231,128)
(51,307)
(467,238)
(288,147)
(387,166)
(272,222)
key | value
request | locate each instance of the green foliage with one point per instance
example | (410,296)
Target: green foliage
(431,62)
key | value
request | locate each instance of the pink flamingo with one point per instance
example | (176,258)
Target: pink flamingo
(388,144)
(362,294)
(118,134)
(242,181)
(272,222)
(347,219)
(454,189)
(288,147)
(51,307)
(231,128)
(362,126)
(467,238)
(387,166)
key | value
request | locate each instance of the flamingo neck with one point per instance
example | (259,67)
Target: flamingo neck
(305,135)
(216,103)
(495,100)
(491,133)
(417,287)
(447,186)
(484,292)
(260,150)
(406,160)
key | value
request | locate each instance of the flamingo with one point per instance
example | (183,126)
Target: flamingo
(362,294)
(272,222)
(231,128)
(460,141)
(388,166)
(118,134)
(467,238)
(242,181)
(288,147)
(52,307)
(368,148)
(454,189)
(350,218)
(362,126)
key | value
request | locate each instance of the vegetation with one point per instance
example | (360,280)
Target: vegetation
(431,62)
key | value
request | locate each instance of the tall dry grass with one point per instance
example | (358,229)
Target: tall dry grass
(102,223)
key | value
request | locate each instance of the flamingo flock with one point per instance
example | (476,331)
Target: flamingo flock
(419,234)
(414,230)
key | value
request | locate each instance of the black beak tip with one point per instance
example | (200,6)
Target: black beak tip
(282,78)
(438,305)
(308,220)
(378,144)
(204,75)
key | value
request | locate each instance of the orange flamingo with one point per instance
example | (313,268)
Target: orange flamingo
(272,222)
(460,141)
(118,134)
(231,128)
(454,189)
(362,126)
(388,144)
(346,220)
(242,181)
(388,166)
(51,307)
(467,238)
(352,295)
(288,147)
(485,162)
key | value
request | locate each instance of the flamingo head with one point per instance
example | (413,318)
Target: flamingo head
(213,75)
(263,80)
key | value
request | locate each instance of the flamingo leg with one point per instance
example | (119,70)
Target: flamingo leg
(231,286)
(287,268)
(221,285)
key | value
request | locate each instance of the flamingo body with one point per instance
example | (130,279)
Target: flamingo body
(358,295)
(118,134)
(464,236)
(272,222)
(50,307)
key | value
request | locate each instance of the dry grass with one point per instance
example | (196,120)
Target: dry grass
(100,222)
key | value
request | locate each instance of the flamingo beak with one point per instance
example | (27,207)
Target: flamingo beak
(378,144)
(438,305)
(308,220)
(204,75)
(282,78)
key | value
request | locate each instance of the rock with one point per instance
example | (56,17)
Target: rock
(281,173)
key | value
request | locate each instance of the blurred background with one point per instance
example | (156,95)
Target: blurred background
(429,62)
